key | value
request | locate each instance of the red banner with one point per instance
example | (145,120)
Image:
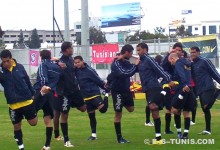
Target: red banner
(34,57)
(104,53)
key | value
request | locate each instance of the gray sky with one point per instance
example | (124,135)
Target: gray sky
(29,14)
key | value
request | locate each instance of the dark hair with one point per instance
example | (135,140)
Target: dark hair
(178,44)
(65,46)
(185,55)
(78,57)
(45,54)
(143,45)
(158,59)
(195,48)
(127,48)
(6,54)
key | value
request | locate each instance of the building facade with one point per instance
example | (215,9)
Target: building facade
(12,36)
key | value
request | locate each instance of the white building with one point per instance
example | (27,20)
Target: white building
(11,36)
(201,28)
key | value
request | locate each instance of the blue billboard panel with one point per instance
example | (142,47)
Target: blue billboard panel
(127,14)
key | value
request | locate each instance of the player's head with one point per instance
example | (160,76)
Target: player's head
(67,48)
(45,54)
(173,57)
(78,62)
(194,52)
(158,59)
(127,51)
(178,48)
(6,58)
(142,48)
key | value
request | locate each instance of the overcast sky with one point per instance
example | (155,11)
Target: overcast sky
(29,14)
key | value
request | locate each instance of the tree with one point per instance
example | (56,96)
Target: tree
(182,32)
(21,44)
(159,30)
(2,45)
(96,36)
(145,35)
(35,40)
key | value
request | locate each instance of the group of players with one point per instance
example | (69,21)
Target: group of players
(70,82)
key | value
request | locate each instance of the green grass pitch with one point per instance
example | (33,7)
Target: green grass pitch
(133,129)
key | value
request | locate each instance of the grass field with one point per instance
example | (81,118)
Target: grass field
(133,129)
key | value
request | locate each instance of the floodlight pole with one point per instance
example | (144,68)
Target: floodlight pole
(66,21)
(53,30)
(85,51)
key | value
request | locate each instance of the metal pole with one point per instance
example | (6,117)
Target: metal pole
(53,31)
(66,21)
(85,30)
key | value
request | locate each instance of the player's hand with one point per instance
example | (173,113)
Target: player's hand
(171,84)
(186,89)
(45,89)
(137,61)
(54,59)
(62,65)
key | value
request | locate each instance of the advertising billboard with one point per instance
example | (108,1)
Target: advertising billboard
(104,53)
(127,14)
(207,44)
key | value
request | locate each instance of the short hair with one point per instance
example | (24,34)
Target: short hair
(65,46)
(127,48)
(173,55)
(178,44)
(158,59)
(185,55)
(6,54)
(195,48)
(143,45)
(45,54)
(78,57)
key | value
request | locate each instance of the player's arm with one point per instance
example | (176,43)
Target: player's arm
(121,72)
(212,70)
(27,80)
(95,78)
(158,69)
(43,74)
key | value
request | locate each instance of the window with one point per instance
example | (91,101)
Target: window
(73,35)
(212,29)
(58,35)
(203,30)
(48,41)
(40,35)
(6,35)
(190,29)
(47,35)
(13,35)
(53,35)
(78,26)
(196,28)
(6,42)
(26,35)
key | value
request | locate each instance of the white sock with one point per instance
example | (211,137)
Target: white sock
(93,134)
(179,130)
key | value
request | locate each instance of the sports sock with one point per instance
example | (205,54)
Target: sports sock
(194,115)
(49,131)
(147,111)
(18,138)
(118,130)
(157,126)
(186,126)
(64,128)
(56,133)
(93,122)
(208,120)
(167,120)
(177,120)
